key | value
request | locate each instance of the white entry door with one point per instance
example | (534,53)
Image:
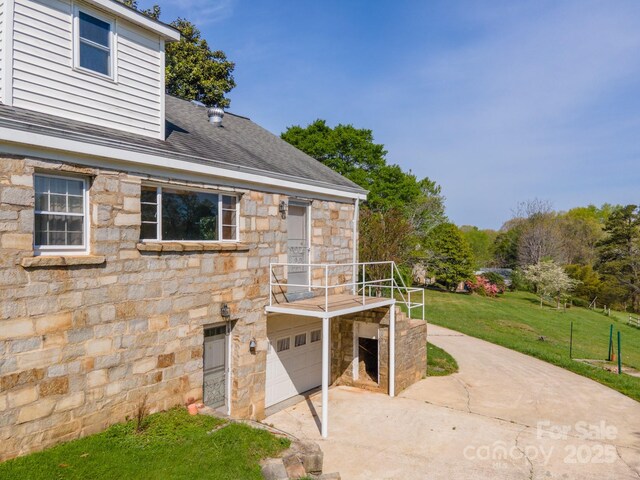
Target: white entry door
(297,250)
(294,361)
(215,366)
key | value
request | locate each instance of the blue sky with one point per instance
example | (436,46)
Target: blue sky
(497,101)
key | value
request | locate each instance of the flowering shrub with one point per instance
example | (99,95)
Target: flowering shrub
(483,286)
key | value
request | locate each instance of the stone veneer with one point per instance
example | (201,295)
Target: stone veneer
(82,340)
(411,349)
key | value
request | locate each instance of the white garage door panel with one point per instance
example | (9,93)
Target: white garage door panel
(296,370)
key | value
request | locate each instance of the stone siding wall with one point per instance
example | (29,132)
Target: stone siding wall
(82,343)
(411,349)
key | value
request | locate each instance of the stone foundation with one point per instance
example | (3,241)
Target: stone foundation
(411,349)
(83,340)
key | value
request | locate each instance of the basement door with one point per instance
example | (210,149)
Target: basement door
(294,360)
(298,247)
(215,366)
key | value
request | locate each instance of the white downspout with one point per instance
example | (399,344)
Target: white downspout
(356,219)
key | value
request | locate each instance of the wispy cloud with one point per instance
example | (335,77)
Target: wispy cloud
(498,101)
(202,12)
(521,110)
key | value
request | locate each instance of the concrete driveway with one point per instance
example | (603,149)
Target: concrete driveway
(503,416)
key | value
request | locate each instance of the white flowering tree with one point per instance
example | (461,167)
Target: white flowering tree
(549,278)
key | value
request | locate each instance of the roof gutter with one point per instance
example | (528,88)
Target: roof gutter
(29,138)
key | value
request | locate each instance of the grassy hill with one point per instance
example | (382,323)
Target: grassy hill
(516,321)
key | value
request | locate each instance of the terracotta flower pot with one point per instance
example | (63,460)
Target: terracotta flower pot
(193,409)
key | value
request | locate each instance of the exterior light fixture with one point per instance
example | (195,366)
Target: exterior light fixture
(252,345)
(225,312)
(283,209)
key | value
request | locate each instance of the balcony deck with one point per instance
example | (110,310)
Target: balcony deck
(330,306)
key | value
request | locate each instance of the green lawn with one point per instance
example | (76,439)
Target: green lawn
(515,320)
(173,445)
(439,362)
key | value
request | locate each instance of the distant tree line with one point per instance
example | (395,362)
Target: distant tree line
(597,247)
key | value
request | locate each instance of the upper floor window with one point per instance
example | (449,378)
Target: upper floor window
(179,215)
(94,44)
(60,214)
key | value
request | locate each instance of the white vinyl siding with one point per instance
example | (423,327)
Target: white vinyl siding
(45,79)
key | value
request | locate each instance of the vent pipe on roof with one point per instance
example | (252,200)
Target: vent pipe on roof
(215,115)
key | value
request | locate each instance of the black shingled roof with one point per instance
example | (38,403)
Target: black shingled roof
(238,145)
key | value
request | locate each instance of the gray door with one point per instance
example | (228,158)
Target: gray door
(215,366)
(297,249)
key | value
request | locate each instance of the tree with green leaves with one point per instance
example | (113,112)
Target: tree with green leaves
(348,150)
(505,245)
(353,153)
(448,256)
(619,251)
(193,71)
(387,236)
(400,210)
(481,243)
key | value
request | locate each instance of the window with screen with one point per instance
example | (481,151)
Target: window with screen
(60,213)
(94,43)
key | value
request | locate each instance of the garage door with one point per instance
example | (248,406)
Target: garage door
(294,360)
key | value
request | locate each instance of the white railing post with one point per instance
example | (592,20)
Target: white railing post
(326,288)
(393,281)
(364,284)
(270,284)
(354,274)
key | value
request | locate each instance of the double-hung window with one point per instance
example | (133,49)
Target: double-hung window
(94,44)
(188,215)
(60,214)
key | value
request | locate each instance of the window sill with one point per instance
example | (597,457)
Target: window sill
(61,261)
(192,247)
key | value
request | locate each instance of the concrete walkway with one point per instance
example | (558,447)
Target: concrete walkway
(503,416)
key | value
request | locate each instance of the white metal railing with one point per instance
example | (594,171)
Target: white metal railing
(323,279)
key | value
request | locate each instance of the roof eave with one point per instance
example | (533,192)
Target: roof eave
(67,143)
(167,32)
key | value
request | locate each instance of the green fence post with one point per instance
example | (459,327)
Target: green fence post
(619,355)
(571,341)
(610,353)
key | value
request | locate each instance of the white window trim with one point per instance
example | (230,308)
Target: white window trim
(220,194)
(58,250)
(113,43)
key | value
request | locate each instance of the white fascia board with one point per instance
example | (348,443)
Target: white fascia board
(168,33)
(47,142)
